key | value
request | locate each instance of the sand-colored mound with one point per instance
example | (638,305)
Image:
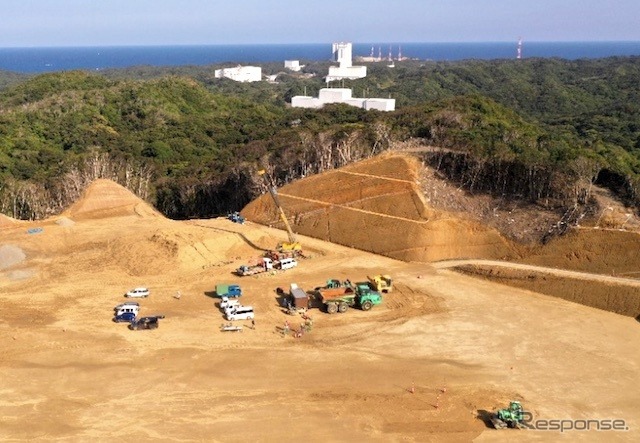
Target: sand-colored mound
(105,198)
(376,206)
(6,221)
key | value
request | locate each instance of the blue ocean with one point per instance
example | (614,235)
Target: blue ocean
(34,60)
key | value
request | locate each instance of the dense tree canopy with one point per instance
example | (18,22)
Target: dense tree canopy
(198,139)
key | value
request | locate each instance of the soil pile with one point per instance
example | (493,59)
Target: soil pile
(376,205)
(105,198)
(6,221)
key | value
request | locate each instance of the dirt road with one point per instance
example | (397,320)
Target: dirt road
(449,264)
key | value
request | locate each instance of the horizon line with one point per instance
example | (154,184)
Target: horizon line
(515,42)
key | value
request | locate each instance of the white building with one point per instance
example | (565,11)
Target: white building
(342,95)
(241,73)
(293,65)
(342,53)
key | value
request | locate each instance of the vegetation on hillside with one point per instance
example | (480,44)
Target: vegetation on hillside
(190,143)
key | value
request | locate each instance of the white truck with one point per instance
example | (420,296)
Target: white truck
(226,303)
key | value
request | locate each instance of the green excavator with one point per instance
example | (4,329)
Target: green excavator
(511,417)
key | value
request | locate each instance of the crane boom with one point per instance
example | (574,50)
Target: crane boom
(276,200)
(293,244)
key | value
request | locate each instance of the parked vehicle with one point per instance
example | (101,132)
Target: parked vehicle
(127,303)
(138,293)
(150,322)
(266,264)
(335,297)
(235,217)
(129,307)
(288,263)
(225,290)
(240,313)
(227,302)
(364,298)
(125,317)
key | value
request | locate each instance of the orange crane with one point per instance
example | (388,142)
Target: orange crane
(292,245)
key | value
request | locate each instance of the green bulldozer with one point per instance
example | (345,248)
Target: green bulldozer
(511,417)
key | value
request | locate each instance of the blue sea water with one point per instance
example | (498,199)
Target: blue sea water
(34,60)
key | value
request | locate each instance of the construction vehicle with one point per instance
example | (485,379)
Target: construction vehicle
(339,296)
(224,290)
(381,283)
(236,217)
(511,417)
(292,244)
(363,297)
(335,288)
(265,265)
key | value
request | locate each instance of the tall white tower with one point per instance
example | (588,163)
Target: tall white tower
(342,54)
(519,56)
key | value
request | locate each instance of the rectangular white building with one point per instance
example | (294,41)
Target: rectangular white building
(241,73)
(342,95)
(293,65)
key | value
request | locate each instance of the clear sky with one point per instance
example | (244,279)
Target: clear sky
(176,22)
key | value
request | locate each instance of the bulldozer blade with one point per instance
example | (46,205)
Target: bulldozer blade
(498,424)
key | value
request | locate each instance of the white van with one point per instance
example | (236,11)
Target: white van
(138,292)
(240,313)
(132,307)
(288,263)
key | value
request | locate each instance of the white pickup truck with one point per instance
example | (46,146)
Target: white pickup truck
(226,303)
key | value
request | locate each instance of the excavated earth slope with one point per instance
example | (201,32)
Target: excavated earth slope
(376,206)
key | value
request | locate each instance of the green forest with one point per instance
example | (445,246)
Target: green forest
(534,129)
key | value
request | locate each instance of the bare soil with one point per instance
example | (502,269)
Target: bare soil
(442,348)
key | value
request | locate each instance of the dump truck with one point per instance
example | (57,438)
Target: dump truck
(381,283)
(336,296)
(362,296)
(225,290)
(335,287)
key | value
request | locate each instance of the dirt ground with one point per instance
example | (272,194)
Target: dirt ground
(440,350)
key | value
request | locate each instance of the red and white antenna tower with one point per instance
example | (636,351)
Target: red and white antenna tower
(519,56)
